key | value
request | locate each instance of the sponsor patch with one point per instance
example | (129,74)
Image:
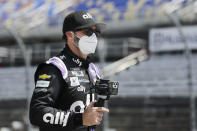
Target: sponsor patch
(42,83)
(62,57)
(44,76)
(75,69)
(74,81)
(84,80)
(59,118)
(81,88)
(77,73)
(77,61)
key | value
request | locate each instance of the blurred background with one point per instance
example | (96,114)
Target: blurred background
(149,47)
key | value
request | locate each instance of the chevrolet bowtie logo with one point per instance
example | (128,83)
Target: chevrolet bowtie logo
(44,76)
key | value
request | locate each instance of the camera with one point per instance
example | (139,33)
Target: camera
(106,87)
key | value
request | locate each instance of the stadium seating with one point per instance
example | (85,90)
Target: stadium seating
(103,10)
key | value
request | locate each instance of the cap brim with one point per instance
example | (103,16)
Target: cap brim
(99,26)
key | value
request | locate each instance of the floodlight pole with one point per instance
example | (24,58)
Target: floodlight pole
(26,58)
(188,54)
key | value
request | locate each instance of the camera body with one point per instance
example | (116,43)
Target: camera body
(106,87)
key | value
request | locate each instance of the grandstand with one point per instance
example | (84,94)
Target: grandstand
(154,94)
(45,18)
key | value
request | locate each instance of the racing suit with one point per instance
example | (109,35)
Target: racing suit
(61,93)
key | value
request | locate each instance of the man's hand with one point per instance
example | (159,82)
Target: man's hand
(93,115)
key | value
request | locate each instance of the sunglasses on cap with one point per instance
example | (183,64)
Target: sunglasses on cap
(90,31)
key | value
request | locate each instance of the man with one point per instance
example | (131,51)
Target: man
(61,98)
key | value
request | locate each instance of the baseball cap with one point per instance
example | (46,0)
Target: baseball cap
(79,20)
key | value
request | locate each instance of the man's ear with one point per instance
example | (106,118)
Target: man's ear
(69,35)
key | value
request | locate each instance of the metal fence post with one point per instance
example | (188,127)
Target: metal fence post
(188,55)
(26,57)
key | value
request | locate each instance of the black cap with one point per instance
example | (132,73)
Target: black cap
(79,20)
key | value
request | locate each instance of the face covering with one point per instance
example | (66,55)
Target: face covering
(88,44)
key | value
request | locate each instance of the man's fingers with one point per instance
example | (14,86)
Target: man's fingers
(97,122)
(91,104)
(100,115)
(102,109)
